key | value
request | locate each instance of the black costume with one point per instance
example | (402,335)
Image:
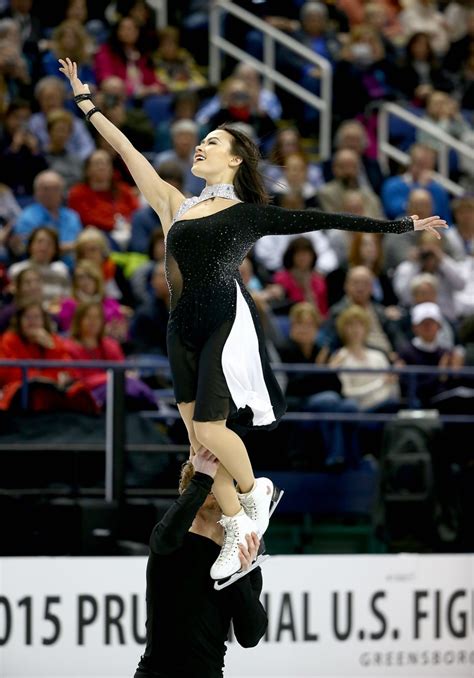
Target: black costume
(187,620)
(216,346)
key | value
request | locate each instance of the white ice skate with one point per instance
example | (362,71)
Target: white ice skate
(235,529)
(259,560)
(260,503)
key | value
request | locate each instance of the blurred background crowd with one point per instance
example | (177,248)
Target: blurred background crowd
(82,272)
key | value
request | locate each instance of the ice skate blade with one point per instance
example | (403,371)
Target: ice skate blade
(276,498)
(228,581)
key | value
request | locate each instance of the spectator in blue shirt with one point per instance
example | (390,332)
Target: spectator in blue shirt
(419,174)
(47,210)
(50,93)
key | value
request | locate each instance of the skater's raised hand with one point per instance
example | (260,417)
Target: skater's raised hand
(205,462)
(69,68)
(430,224)
(248,554)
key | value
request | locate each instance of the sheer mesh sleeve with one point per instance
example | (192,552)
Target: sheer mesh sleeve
(271,220)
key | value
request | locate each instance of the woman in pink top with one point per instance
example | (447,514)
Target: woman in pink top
(124,56)
(299,279)
(88,285)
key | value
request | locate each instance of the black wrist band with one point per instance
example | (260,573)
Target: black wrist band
(91,112)
(82,97)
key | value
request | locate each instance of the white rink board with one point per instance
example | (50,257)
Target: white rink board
(345,616)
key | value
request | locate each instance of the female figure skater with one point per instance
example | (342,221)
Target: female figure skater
(221,375)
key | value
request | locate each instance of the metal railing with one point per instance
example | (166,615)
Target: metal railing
(161,8)
(116,445)
(272,37)
(387,150)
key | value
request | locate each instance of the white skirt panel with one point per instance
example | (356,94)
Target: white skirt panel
(242,366)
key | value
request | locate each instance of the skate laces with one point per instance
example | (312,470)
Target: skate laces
(250,507)
(230,537)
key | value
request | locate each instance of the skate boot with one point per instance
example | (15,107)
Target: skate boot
(260,503)
(235,529)
(261,557)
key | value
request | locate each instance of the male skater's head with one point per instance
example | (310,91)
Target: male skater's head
(210,509)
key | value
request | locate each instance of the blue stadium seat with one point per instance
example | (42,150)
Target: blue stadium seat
(158,107)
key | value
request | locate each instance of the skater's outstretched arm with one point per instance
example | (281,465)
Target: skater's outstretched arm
(164,198)
(272,220)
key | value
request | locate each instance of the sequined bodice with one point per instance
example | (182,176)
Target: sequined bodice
(203,256)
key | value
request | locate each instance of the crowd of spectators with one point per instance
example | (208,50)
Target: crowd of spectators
(82,270)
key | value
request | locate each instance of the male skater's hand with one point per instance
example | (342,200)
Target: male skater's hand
(205,462)
(248,554)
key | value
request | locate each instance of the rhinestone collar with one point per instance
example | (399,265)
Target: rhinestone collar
(226,191)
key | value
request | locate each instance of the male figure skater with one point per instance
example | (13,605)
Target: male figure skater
(187,619)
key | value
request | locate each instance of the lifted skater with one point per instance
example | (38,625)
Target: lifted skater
(187,619)
(222,378)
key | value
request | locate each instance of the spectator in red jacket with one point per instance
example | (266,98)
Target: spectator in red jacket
(49,388)
(299,279)
(102,201)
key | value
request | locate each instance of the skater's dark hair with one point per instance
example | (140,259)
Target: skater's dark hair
(248,180)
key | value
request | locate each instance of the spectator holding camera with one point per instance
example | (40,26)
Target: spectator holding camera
(426,349)
(429,257)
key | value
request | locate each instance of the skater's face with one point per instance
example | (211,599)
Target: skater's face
(213,157)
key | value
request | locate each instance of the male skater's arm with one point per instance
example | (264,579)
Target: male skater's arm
(249,618)
(169,533)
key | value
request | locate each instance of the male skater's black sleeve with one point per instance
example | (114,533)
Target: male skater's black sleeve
(249,618)
(169,533)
